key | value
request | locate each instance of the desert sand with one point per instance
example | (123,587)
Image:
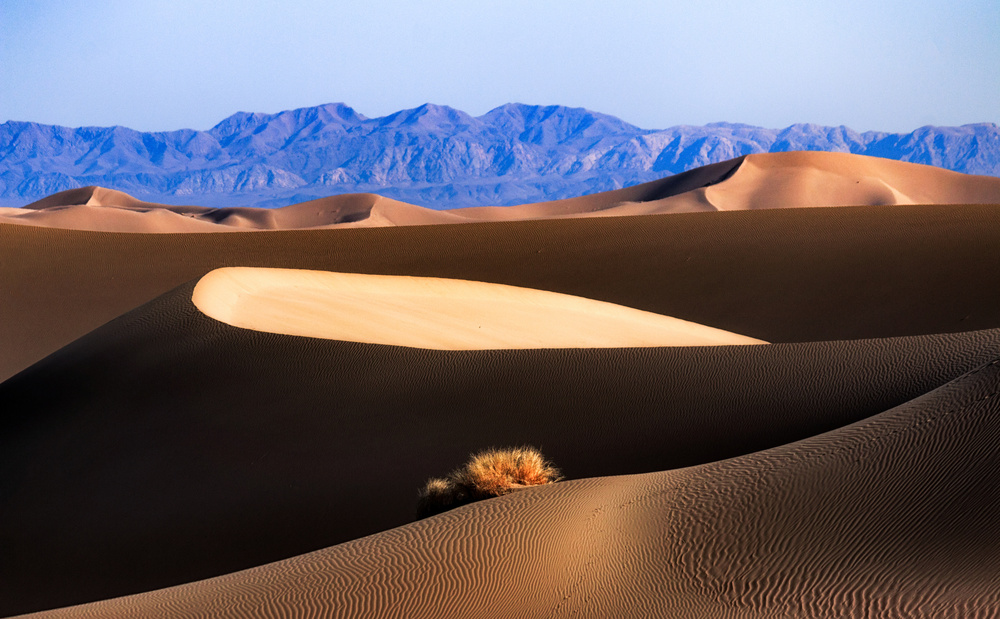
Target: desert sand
(175,447)
(888,517)
(434,312)
(206,440)
(779,275)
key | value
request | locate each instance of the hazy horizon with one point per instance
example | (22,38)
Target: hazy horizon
(161,66)
(528,104)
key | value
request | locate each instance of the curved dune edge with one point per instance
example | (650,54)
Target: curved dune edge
(765,180)
(893,516)
(435,313)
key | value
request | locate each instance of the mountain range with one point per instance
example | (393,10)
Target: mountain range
(432,155)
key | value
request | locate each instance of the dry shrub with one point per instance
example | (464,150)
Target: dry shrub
(487,474)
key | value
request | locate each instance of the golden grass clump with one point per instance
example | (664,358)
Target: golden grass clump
(487,474)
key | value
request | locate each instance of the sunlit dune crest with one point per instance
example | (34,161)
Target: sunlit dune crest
(810,179)
(435,313)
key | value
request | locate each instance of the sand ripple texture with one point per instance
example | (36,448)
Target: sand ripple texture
(176,447)
(894,516)
(849,469)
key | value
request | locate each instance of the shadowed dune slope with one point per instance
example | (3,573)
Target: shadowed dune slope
(893,516)
(777,275)
(678,193)
(772,180)
(167,447)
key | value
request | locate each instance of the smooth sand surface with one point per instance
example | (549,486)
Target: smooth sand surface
(894,516)
(166,446)
(807,179)
(772,180)
(434,312)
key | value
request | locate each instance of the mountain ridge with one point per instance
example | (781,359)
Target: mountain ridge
(432,155)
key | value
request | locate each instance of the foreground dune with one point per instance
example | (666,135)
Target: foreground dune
(170,447)
(893,516)
(771,180)
(436,313)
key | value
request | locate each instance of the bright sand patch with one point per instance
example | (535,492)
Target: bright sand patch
(435,313)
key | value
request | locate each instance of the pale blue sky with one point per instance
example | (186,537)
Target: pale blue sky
(168,64)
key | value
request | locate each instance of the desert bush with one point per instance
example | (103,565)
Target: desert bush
(487,474)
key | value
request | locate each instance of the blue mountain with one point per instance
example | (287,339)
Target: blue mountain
(431,155)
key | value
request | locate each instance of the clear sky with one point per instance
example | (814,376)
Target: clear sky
(168,64)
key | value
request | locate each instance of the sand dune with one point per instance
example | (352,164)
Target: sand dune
(105,210)
(894,516)
(98,209)
(435,313)
(848,469)
(776,180)
(175,447)
(772,180)
(99,196)
(776,275)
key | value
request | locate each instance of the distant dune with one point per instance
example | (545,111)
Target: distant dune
(777,180)
(229,412)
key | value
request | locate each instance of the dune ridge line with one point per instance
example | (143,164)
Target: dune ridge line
(793,179)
